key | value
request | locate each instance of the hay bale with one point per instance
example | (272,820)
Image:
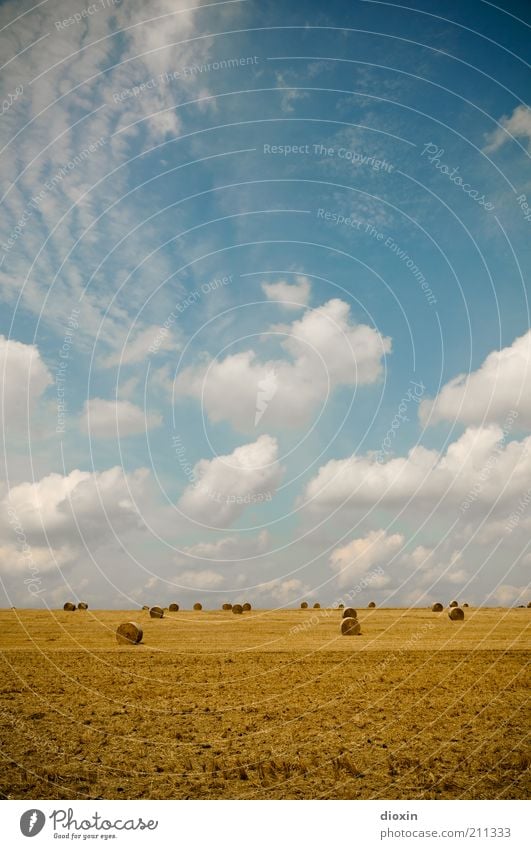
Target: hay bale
(437,607)
(198,606)
(226,606)
(246,607)
(68,605)
(129,634)
(156,612)
(173,607)
(316,606)
(145,607)
(237,608)
(456,614)
(349,613)
(372,604)
(82,605)
(304,605)
(529,603)
(465,604)
(350,627)
(453,604)
(341,607)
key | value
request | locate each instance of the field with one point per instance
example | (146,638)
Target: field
(268,705)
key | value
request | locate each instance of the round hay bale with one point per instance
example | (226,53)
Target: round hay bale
(246,607)
(145,607)
(465,604)
(349,613)
(304,605)
(129,634)
(198,606)
(350,627)
(453,604)
(226,606)
(316,606)
(68,605)
(156,612)
(82,605)
(529,603)
(456,614)
(437,607)
(237,608)
(173,607)
(372,604)
(341,607)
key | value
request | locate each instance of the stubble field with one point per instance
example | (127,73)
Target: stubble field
(268,705)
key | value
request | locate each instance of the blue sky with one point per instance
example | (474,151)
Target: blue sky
(264,328)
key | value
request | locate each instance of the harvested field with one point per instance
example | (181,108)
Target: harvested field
(273,705)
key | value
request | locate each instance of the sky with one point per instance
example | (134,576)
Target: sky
(264,319)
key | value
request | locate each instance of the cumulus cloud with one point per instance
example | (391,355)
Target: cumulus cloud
(518,125)
(61,508)
(224,487)
(327,350)
(366,557)
(107,419)
(501,384)
(227,549)
(200,579)
(507,594)
(282,592)
(290,296)
(479,469)
(24,379)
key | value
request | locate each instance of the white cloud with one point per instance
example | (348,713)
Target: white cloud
(506,595)
(63,507)
(225,486)
(34,561)
(136,349)
(290,296)
(108,419)
(227,549)
(518,125)
(326,351)
(24,379)
(201,579)
(478,468)
(501,384)
(361,557)
(282,592)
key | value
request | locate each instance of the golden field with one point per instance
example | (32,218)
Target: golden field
(268,705)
